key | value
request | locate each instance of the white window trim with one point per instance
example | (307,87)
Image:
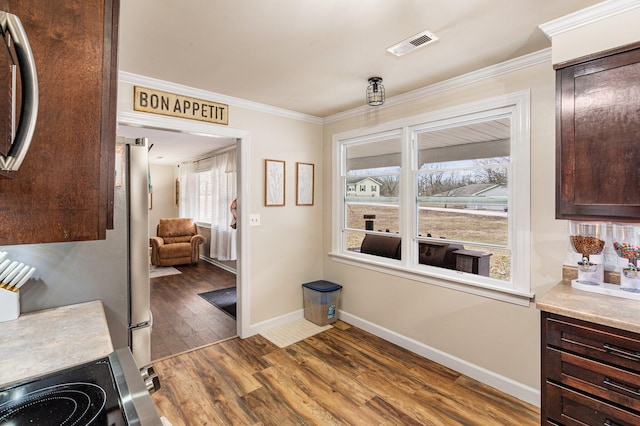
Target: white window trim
(518,104)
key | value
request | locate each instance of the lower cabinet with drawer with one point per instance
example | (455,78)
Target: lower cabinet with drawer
(590,373)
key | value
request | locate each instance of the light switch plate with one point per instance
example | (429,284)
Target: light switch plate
(254,220)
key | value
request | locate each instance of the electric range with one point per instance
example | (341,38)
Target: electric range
(108,391)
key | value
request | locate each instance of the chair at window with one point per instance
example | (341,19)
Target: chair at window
(177,243)
(439,254)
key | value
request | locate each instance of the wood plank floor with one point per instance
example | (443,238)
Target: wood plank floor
(342,376)
(182,320)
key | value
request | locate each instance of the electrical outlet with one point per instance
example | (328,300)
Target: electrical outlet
(254,220)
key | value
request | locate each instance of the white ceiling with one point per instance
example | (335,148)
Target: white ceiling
(315,57)
(169,148)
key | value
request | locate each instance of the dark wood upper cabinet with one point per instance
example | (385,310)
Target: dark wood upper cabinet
(598,137)
(63,190)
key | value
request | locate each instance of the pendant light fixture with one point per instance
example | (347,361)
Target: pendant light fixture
(375,91)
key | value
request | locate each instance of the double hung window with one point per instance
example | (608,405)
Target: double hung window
(442,197)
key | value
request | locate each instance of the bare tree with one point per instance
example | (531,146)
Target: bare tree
(439,182)
(389,186)
(488,174)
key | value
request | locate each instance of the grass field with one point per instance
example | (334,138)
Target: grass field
(452,225)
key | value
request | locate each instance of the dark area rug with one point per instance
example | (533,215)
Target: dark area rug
(224,299)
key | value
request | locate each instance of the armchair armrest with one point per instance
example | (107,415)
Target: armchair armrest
(196,240)
(156,242)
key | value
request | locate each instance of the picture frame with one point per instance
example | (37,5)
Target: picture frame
(177,192)
(305,184)
(274,183)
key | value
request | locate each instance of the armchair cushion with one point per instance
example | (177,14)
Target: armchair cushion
(177,243)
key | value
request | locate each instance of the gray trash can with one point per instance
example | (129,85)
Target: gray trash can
(321,301)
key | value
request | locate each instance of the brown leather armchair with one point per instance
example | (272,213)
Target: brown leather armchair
(177,243)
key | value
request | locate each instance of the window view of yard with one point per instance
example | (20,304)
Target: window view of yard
(440,224)
(438,197)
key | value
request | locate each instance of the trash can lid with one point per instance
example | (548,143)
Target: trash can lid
(322,286)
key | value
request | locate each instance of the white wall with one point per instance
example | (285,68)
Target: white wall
(163,180)
(285,250)
(497,336)
(572,42)
(287,247)
(290,246)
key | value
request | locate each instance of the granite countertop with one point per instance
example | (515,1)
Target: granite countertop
(53,339)
(611,311)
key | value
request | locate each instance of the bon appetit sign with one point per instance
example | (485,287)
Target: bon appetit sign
(158,102)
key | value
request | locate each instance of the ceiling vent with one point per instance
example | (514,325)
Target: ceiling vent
(413,43)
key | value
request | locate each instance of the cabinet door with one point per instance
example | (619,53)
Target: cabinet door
(598,150)
(64,189)
(571,408)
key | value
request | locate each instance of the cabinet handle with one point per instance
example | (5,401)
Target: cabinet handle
(609,422)
(29,109)
(622,352)
(611,383)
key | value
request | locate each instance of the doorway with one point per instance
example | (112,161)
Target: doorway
(185,139)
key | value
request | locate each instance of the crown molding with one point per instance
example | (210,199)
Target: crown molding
(167,86)
(587,16)
(492,71)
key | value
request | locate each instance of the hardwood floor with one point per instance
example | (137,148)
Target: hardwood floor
(343,376)
(182,320)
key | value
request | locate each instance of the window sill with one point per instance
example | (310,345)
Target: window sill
(464,283)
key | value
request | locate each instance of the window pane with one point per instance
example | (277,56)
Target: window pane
(379,156)
(205,195)
(362,188)
(372,217)
(353,240)
(383,245)
(462,196)
(489,227)
(499,261)
(486,139)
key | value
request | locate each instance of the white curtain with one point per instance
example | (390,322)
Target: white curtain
(188,204)
(224,179)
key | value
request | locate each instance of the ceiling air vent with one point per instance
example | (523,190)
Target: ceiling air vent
(413,43)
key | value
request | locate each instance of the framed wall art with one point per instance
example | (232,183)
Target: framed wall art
(274,182)
(304,184)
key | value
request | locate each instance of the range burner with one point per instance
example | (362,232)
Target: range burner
(66,404)
(80,396)
(108,391)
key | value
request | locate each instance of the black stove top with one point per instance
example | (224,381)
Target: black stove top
(79,396)
(109,391)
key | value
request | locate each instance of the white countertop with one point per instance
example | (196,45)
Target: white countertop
(611,311)
(53,339)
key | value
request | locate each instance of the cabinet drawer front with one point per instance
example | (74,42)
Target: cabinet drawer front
(607,382)
(570,408)
(613,347)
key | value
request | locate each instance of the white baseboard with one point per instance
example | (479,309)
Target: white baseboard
(218,264)
(504,384)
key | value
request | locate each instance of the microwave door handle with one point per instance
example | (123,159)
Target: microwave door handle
(11,24)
